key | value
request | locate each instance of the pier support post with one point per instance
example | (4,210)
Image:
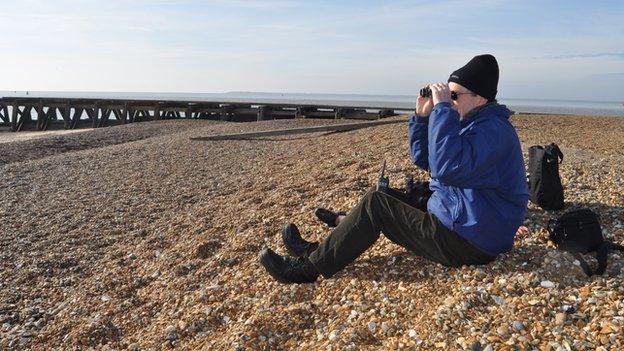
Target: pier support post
(264,113)
(103,118)
(226,113)
(157,112)
(44,117)
(117,114)
(386,113)
(133,115)
(126,113)
(73,122)
(14,116)
(65,114)
(303,110)
(41,116)
(4,114)
(343,112)
(26,118)
(95,116)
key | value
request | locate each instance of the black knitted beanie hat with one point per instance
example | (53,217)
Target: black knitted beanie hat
(480,76)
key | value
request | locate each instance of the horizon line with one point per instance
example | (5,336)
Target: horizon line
(282,93)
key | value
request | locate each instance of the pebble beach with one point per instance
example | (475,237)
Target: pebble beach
(137,237)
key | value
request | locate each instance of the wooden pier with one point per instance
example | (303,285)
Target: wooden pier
(41,113)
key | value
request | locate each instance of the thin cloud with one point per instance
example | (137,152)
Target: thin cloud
(253,4)
(619,55)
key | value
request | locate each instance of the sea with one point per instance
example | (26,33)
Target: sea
(406,102)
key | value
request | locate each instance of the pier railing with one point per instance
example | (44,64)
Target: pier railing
(36,113)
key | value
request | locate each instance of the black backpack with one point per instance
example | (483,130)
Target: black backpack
(579,232)
(545,187)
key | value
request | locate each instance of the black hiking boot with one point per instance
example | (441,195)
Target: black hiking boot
(288,269)
(295,244)
(327,216)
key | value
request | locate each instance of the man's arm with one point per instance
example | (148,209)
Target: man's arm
(418,130)
(418,141)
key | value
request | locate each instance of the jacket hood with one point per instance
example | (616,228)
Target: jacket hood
(491,108)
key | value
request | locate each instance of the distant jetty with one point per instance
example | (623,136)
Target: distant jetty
(37,113)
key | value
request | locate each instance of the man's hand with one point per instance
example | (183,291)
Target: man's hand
(440,92)
(522,230)
(424,105)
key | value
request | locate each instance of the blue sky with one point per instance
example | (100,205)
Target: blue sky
(546,49)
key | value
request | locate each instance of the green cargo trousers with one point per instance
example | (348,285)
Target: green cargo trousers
(419,232)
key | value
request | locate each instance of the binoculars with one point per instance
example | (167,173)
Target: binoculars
(425,92)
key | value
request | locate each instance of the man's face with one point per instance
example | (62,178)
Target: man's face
(466,99)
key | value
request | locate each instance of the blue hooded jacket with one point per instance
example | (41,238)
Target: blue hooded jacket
(477,173)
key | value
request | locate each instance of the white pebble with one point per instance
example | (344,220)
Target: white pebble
(498,300)
(412,333)
(547,284)
(372,326)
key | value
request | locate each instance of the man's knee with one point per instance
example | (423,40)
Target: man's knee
(372,192)
(373,197)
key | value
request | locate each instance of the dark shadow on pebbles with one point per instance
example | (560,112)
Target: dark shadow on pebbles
(293,138)
(398,267)
(409,268)
(599,208)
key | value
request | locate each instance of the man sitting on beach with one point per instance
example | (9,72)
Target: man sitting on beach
(462,136)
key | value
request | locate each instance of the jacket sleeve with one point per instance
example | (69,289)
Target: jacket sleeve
(465,160)
(417,135)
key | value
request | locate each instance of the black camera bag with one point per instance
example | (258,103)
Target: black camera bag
(545,187)
(417,194)
(579,232)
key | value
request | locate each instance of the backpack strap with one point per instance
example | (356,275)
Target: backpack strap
(602,255)
(615,246)
(555,149)
(550,227)
(584,264)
